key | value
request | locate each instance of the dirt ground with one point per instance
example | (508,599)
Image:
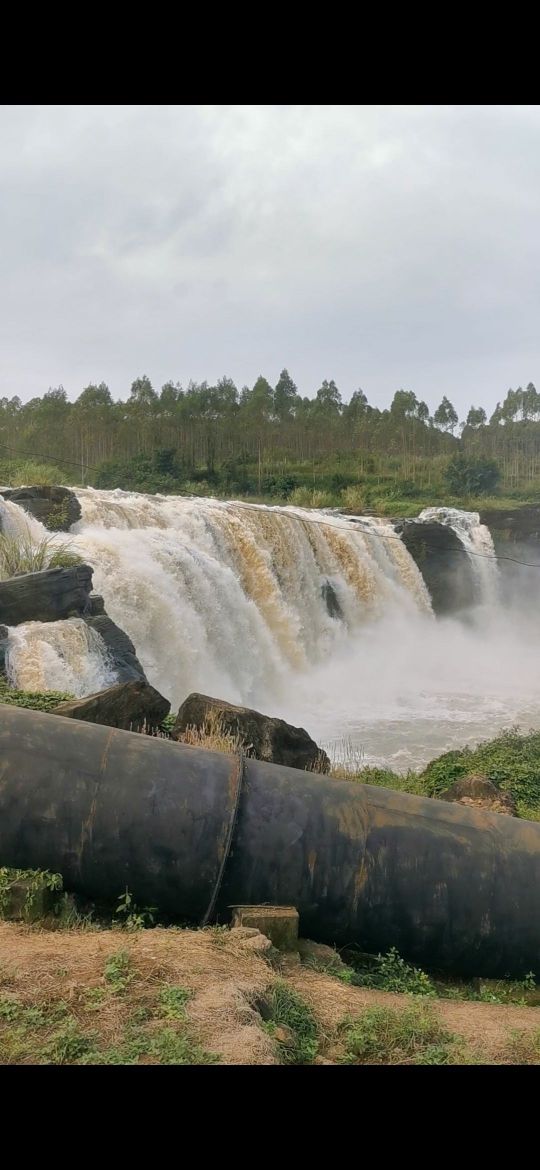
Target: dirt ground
(66,996)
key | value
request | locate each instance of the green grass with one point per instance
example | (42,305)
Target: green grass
(22,554)
(55,1033)
(511,761)
(523,1048)
(34,700)
(291,1022)
(383,1035)
(391,973)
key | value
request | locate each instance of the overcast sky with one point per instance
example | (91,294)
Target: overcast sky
(386,247)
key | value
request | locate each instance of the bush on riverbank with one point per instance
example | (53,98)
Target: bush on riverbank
(511,761)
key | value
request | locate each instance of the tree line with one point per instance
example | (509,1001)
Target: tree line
(182,431)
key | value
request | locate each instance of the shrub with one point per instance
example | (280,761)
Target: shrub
(467,476)
(391,973)
(353,499)
(511,761)
(20,554)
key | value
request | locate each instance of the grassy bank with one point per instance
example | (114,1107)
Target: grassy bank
(219,997)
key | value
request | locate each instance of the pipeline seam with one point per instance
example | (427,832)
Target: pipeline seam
(229,840)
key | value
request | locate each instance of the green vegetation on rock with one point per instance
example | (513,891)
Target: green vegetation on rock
(21,554)
(34,700)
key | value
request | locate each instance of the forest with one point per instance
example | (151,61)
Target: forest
(270,442)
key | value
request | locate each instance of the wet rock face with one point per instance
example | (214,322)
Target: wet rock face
(443,563)
(262,736)
(330,599)
(55,507)
(120,647)
(513,525)
(48,596)
(131,706)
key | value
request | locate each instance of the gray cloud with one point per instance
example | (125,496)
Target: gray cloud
(381,246)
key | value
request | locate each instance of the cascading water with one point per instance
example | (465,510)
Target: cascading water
(322,619)
(477,542)
(58,656)
(227,597)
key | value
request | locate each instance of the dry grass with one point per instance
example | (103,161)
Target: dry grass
(212,737)
(147,998)
(482,1033)
(194,997)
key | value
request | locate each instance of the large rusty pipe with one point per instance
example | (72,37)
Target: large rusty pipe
(194,832)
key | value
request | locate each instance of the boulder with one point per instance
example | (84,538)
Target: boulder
(96,605)
(55,507)
(478,791)
(119,645)
(130,705)
(47,596)
(320,955)
(443,563)
(261,736)
(330,599)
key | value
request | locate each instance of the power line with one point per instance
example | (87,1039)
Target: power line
(294,516)
(379,536)
(54,458)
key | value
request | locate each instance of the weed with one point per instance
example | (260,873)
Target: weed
(391,973)
(523,1048)
(117,972)
(33,700)
(134,918)
(172,1001)
(384,1035)
(22,554)
(288,1012)
(69,1044)
(35,881)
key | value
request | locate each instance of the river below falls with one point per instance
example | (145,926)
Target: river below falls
(404,693)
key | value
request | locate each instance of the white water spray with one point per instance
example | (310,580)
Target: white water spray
(231,599)
(58,656)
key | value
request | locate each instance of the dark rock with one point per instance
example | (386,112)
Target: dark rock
(261,736)
(130,705)
(120,647)
(320,955)
(48,596)
(479,792)
(55,507)
(443,563)
(97,605)
(513,525)
(330,599)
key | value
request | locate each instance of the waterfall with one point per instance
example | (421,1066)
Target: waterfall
(58,656)
(321,619)
(224,597)
(477,542)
